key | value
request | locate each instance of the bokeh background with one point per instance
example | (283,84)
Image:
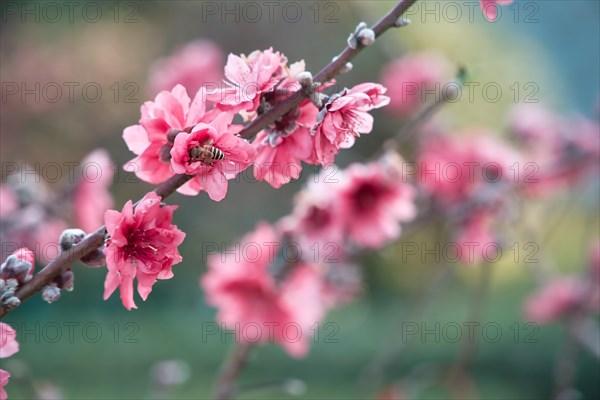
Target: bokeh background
(554,44)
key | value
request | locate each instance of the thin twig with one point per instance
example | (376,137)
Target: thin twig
(232,367)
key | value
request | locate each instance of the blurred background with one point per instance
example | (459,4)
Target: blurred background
(106,51)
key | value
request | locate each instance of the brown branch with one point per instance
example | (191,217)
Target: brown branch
(232,366)
(96,239)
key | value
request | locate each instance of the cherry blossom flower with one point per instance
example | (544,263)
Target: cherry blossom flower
(316,219)
(280,153)
(169,112)
(555,300)
(461,168)
(8,347)
(193,154)
(489,7)
(249,77)
(344,117)
(8,341)
(259,308)
(92,197)
(193,65)
(374,199)
(143,244)
(412,78)
(4,377)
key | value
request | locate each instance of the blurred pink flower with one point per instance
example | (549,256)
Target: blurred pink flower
(8,200)
(8,347)
(316,219)
(344,118)
(489,7)
(555,300)
(456,169)
(252,303)
(8,341)
(560,151)
(475,238)
(249,77)
(92,197)
(143,244)
(169,111)
(4,376)
(198,62)
(373,200)
(279,156)
(211,173)
(413,80)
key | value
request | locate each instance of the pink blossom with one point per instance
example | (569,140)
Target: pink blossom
(554,300)
(197,63)
(344,118)
(475,238)
(373,200)
(280,155)
(412,78)
(317,218)
(4,376)
(8,201)
(8,341)
(246,294)
(563,151)
(489,7)
(92,197)
(211,174)
(143,244)
(8,347)
(456,169)
(249,77)
(170,111)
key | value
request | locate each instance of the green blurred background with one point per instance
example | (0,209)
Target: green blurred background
(554,44)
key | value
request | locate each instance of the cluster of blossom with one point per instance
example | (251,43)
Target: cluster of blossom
(362,209)
(466,176)
(8,347)
(178,135)
(564,296)
(32,214)
(564,150)
(470,176)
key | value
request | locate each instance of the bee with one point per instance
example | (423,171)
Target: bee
(206,153)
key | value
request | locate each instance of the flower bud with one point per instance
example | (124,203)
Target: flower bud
(65,280)
(305,78)
(70,237)
(400,22)
(50,293)
(16,268)
(12,302)
(366,37)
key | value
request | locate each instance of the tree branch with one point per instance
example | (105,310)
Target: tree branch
(96,239)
